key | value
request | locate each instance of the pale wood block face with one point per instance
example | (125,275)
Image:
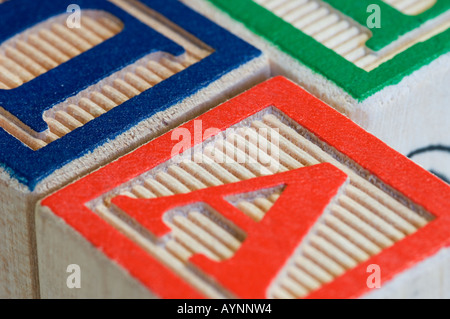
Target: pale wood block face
(74,99)
(204,202)
(430,279)
(15,228)
(116,282)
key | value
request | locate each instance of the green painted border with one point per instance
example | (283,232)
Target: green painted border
(393,23)
(357,82)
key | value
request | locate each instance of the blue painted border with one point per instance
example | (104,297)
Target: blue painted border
(30,167)
(29,101)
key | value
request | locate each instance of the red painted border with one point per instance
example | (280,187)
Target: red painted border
(330,126)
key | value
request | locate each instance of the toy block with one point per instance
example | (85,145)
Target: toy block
(273,194)
(385,64)
(73,97)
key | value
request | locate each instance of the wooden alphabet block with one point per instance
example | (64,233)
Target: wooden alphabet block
(383,63)
(272,194)
(79,89)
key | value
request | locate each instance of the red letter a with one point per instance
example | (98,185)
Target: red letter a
(269,243)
